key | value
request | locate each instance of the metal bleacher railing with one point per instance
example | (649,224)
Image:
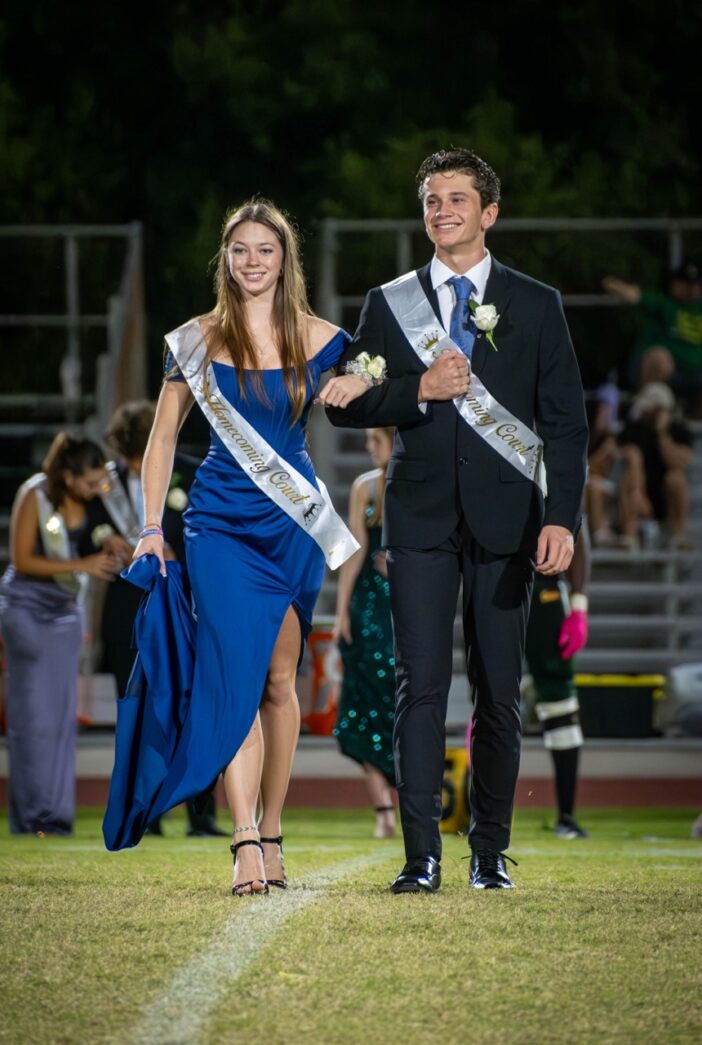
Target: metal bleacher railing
(646,607)
(29,419)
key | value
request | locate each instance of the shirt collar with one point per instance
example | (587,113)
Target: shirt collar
(478,274)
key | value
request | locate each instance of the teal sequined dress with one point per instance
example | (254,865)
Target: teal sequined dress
(367,704)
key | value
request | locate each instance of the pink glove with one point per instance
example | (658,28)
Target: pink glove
(573,634)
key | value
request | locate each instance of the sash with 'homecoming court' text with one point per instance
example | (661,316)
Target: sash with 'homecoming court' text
(309,507)
(511,438)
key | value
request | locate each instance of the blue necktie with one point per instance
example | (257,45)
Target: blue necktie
(462,330)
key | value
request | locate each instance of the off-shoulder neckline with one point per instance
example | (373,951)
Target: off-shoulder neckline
(278,369)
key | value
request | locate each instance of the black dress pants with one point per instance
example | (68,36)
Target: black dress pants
(424,587)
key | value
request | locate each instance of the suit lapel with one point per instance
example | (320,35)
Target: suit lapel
(497,293)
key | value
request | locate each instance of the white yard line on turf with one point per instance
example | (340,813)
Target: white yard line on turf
(180,1014)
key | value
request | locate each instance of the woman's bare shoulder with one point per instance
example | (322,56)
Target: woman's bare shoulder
(368,480)
(25,504)
(207,324)
(319,333)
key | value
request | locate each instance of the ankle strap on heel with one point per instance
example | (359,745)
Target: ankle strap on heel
(233,849)
(274,841)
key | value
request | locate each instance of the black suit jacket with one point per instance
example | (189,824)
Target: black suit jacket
(439,466)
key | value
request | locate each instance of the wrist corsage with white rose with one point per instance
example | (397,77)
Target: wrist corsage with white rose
(100,534)
(371,369)
(485,318)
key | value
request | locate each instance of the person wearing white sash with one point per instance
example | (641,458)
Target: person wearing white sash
(116,519)
(259,525)
(476,369)
(42,629)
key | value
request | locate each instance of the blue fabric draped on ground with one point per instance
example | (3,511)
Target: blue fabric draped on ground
(149,731)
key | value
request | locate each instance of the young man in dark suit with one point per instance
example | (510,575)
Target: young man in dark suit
(462,500)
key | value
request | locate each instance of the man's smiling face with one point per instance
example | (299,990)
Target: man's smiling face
(454,216)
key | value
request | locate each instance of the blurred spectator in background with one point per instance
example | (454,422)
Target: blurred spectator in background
(115,521)
(670,341)
(43,629)
(602,408)
(363,629)
(656,452)
(557,630)
(601,488)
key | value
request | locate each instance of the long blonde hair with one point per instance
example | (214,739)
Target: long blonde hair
(228,329)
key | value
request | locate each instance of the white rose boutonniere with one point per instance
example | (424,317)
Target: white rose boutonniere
(372,369)
(177,499)
(100,534)
(485,318)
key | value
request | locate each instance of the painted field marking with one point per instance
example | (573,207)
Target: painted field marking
(180,1014)
(592,853)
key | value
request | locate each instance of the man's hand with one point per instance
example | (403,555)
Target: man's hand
(554,550)
(447,378)
(341,391)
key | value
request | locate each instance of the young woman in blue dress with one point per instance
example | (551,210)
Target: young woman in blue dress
(254,570)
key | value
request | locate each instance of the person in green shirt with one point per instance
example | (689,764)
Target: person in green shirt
(670,339)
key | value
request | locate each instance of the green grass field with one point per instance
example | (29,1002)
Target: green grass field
(600,942)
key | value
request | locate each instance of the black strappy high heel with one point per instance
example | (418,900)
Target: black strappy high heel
(238,890)
(279,883)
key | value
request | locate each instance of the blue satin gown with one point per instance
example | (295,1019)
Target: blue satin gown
(248,562)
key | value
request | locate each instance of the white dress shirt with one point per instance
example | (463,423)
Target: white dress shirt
(440,273)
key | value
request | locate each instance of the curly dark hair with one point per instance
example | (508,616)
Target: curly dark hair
(130,426)
(461,161)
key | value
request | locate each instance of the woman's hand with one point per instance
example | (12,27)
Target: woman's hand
(118,547)
(380,561)
(342,629)
(101,565)
(341,391)
(151,545)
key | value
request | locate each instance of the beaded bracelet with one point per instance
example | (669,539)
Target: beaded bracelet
(148,531)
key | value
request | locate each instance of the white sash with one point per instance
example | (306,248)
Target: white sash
(119,507)
(309,507)
(53,534)
(511,438)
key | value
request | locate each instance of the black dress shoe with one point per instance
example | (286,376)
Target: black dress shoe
(422,874)
(488,871)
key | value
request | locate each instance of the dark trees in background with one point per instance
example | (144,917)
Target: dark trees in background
(171,112)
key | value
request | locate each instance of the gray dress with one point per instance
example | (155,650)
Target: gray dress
(42,630)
